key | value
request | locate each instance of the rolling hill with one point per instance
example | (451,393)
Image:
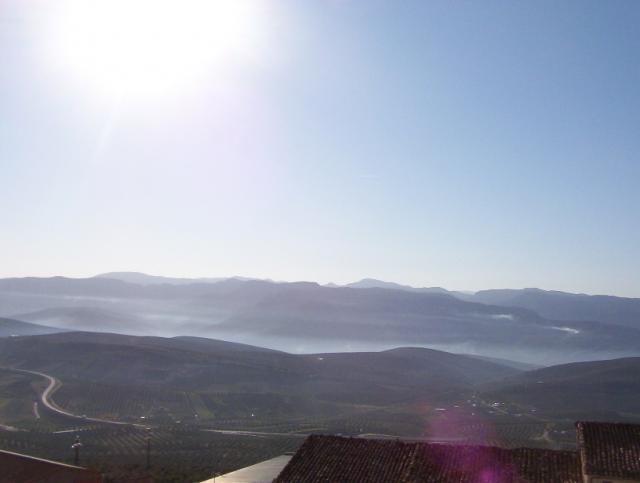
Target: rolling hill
(197,363)
(208,381)
(606,390)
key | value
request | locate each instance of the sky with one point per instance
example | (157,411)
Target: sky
(467,145)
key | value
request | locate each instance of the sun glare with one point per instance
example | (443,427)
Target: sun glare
(152,47)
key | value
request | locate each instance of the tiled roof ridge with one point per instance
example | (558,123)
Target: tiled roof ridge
(43,460)
(16,467)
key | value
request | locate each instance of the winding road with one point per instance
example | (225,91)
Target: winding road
(54,385)
(259,434)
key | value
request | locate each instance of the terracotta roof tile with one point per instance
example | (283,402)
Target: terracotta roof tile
(610,449)
(335,459)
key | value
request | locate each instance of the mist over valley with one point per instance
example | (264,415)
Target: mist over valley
(305,317)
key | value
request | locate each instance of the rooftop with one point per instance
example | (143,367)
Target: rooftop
(337,459)
(610,449)
(28,469)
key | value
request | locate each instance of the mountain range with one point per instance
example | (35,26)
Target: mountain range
(529,325)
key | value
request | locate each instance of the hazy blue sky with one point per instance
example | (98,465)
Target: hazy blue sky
(463,144)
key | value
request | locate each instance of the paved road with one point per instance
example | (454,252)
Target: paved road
(364,436)
(54,385)
(254,433)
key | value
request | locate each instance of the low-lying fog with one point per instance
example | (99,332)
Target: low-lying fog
(307,318)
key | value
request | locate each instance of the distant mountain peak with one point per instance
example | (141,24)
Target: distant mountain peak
(141,278)
(12,327)
(375,283)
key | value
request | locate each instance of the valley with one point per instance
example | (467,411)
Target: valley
(196,396)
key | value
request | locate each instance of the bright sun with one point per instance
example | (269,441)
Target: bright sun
(151,47)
